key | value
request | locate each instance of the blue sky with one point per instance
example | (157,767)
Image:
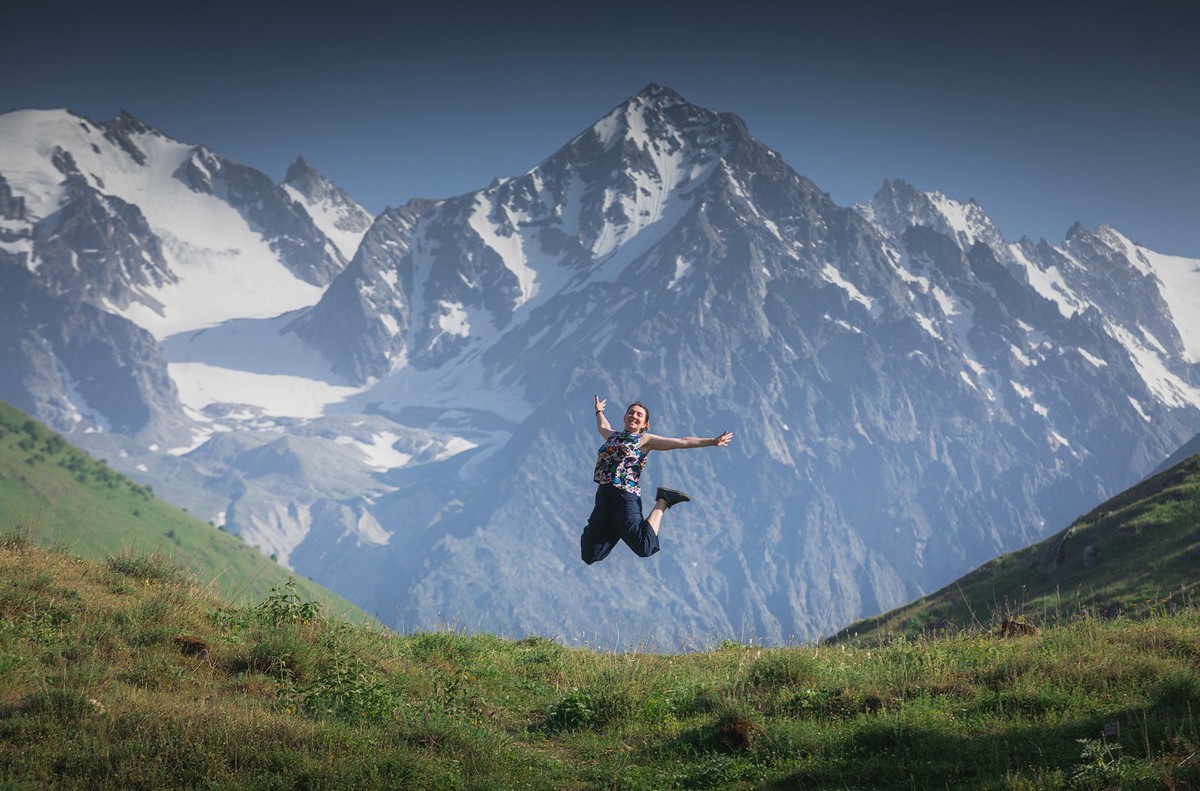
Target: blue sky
(1046,113)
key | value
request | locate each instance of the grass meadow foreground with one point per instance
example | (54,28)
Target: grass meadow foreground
(128,674)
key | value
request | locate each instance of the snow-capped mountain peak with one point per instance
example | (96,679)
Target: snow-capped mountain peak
(170,235)
(338,215)
(898,205)
(1148,299)
(1177,279)
(478,265)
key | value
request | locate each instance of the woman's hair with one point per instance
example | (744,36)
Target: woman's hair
(643,406)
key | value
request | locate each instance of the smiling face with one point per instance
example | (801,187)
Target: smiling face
(637,418)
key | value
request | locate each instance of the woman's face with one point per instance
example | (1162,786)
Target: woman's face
(635,419)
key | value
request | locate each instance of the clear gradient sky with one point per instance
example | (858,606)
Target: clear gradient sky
(1047,113)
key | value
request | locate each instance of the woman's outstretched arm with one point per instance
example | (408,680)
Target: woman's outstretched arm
(654,442)
(601,421)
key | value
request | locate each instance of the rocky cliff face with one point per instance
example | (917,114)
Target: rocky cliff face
(96,247)
(81,369)
(74,366)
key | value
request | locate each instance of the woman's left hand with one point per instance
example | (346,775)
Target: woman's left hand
(723,439)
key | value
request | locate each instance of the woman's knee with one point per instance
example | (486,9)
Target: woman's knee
(643,541)
(591,552)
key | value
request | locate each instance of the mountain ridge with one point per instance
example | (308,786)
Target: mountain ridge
(912,393)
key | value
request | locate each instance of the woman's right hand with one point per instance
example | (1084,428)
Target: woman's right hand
(600,402)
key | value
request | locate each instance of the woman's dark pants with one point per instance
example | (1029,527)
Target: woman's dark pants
(617,516)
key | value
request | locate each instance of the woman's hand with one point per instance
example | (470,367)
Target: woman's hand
(601,421)
(722,439)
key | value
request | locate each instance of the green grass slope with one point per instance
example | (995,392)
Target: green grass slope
(1138,551)
(128,675)
(57,494)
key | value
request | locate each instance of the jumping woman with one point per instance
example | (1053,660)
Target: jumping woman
(617,515)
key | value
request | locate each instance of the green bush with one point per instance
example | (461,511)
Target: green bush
(783,667)
(1179,689)
(285,605)
(348,687)
(576,710)
(284,654)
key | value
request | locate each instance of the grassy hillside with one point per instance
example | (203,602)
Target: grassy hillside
(127,675)
(57,494)
(1138,551)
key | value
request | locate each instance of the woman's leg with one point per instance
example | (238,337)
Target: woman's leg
(665,498)
(656,514)
(640,534)
(598,537)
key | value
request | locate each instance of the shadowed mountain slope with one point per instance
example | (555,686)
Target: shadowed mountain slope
(1135,553)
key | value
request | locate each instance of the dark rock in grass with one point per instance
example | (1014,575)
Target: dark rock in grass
(192,646)
(1014,629)
(735,734)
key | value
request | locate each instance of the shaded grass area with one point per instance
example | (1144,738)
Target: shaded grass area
(128,674)
(57,494)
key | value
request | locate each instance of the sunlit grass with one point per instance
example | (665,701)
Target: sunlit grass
(52,493)
(129,674)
